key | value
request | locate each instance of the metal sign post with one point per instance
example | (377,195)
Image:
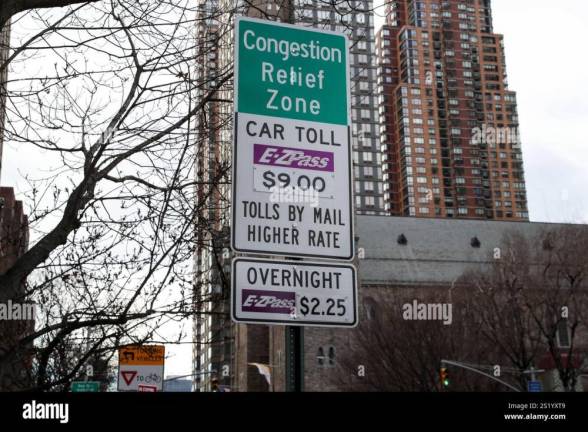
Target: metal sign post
(294,359)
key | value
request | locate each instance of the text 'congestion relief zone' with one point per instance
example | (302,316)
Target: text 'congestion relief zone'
(289,73)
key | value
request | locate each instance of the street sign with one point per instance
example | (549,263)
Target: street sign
(293,293)
(140,365)
(534,386)
(292,180)
(85,387)
(147,388)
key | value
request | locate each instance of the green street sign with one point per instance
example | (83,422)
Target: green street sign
(292,164)
(85,386)
(291,72)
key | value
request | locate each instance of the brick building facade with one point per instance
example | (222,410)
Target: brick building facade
(14,237)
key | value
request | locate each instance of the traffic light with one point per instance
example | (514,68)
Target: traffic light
(444,377)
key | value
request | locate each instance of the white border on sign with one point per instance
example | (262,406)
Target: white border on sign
(240,18)
(236,43)
(118,371)
(294,323)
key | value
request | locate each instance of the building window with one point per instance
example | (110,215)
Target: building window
(324,15)
(320,356)
(326,356)
(369,305)
(563,334)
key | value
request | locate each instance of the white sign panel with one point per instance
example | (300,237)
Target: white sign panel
(294,293)
(130,377)
(292,194)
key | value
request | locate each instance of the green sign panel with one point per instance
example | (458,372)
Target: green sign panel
(291,72)
(85,386)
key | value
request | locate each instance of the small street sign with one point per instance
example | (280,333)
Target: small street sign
(535,386)
(85,387)
(140,365)
(147,388)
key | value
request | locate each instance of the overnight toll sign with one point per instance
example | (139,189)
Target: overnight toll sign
(292,150)
(293,293)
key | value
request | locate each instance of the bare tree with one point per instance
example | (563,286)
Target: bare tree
(105,93)
(389,352)
(524,311)
(532,303)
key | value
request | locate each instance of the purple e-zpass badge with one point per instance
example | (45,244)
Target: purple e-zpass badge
(287,157)
(268,301)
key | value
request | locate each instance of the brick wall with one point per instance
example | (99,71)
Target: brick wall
(13,229)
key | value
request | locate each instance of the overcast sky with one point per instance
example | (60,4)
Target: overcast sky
(547,67)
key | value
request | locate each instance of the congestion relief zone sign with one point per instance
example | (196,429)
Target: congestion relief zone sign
(292,183)
(293,293)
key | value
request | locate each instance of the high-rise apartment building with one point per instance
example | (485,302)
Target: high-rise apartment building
(221,348)
(355,18)
(449,124)
(210,297)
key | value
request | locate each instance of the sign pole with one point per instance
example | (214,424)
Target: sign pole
(294,359)
(294,334)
